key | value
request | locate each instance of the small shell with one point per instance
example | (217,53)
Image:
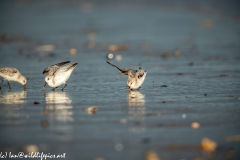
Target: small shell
(91,110)
(195,125)
(151,155)
(208,145)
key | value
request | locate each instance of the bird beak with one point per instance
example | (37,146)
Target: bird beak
(24,87)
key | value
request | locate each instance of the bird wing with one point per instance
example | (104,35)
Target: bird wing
(65,68)
(9,71)
(124,71)
(53,68)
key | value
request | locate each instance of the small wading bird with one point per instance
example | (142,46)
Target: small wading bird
(135,77)
(58,74)
(12,74)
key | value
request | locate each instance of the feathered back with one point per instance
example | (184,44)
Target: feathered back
(52,69)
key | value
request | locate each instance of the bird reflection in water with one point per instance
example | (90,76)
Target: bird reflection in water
(136,110)
(13,97)
(135,99)
(59,106)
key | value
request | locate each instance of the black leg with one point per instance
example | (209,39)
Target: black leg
(43,87)
(1,84)
(64,86)
(54,88)
(9,85)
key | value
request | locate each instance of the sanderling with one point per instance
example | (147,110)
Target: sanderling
(58,75)
(12,74)
(135,77)
(52,69)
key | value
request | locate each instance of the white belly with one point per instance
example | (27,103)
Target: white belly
(9,78)
(59,79)
(135,84)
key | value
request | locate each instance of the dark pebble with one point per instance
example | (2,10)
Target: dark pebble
(191,64)
(36,103)
(164,86)
(179,73)
(163,102)
(223,75)
(205,94)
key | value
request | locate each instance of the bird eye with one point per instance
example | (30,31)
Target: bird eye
(48,79)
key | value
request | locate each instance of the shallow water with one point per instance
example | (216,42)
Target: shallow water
(195,54)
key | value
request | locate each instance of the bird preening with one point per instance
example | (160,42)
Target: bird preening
(135,77)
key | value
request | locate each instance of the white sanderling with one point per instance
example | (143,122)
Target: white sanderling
(135,77)
(58,75)
(52,69)
(12,74)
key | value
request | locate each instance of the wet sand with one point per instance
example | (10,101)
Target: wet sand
(193,62)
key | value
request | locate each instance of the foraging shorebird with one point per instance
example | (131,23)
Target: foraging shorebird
(12,74)
(58,74)
(135,77)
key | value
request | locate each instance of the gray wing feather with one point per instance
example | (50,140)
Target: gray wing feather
(65,68)
(124,71)
(52,69)
(9,71)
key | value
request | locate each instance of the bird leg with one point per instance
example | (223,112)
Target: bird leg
(54,88)
(9,85)
(43,87)
(64,86)
(1,84)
